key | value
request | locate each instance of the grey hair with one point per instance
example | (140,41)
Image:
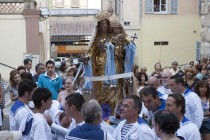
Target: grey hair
(91,110)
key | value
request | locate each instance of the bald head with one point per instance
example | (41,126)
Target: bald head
(165,76)
(153,82)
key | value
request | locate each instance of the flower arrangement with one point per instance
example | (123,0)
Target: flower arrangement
(106,111)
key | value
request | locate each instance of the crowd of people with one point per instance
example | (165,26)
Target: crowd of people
(50,105)
(167,104)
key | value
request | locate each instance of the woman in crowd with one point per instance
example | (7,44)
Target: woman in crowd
(135,69)
(198,69)
(141,81)
(80,84)
(203,91)
(71,72)
(69,88)
(157,69)
(14,82)
(190,77)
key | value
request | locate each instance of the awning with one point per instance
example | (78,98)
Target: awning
(74,28)
(73,12)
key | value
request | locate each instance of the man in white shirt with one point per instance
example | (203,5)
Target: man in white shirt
(194,111)
(152,101)
(42,99)
(21,117)
(188,130)
(154,82)
(165,125)
(132,127)
(174,69)
(165,89)
(28,65)
(73,106)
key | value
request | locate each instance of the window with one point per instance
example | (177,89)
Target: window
(161,6)
(199,9)
(75,3)
(157,43)
(59,3)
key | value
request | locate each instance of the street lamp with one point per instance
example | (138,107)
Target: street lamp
(45,12)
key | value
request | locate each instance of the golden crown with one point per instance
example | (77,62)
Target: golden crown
(103,15)
(115,23)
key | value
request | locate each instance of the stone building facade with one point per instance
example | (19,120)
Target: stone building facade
(205,30)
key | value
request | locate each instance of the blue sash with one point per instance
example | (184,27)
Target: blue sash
(18,105)
(129,57)
(187,92)
(163,104)
(185,120)
(110,68)
(28,124)
(88,73)
(141,121)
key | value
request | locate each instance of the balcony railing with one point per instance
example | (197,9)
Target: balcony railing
(12,7)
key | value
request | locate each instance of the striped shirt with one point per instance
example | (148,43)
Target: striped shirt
(2,103)
(125,130)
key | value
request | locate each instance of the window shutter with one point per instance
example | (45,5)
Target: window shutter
(75,3)
(149,6)
(174,6)
(200,3)
(198,50)
(59,3)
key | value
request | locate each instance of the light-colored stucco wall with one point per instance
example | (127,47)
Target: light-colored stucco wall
(13,42)
(69,3)
(181,30)
(180,33)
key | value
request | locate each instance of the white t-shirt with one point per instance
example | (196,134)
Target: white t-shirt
(137,132)
(40,128)
(188,130)
(106,127)
(164,90)
(74,125)
(194,110)
(21,118)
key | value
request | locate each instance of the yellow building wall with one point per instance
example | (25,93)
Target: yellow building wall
(13,42)
(181,32)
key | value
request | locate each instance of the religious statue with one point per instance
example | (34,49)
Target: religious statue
(107,53)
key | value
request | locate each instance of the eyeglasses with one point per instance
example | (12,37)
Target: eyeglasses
(164,77)
(126,106)
(150,85)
